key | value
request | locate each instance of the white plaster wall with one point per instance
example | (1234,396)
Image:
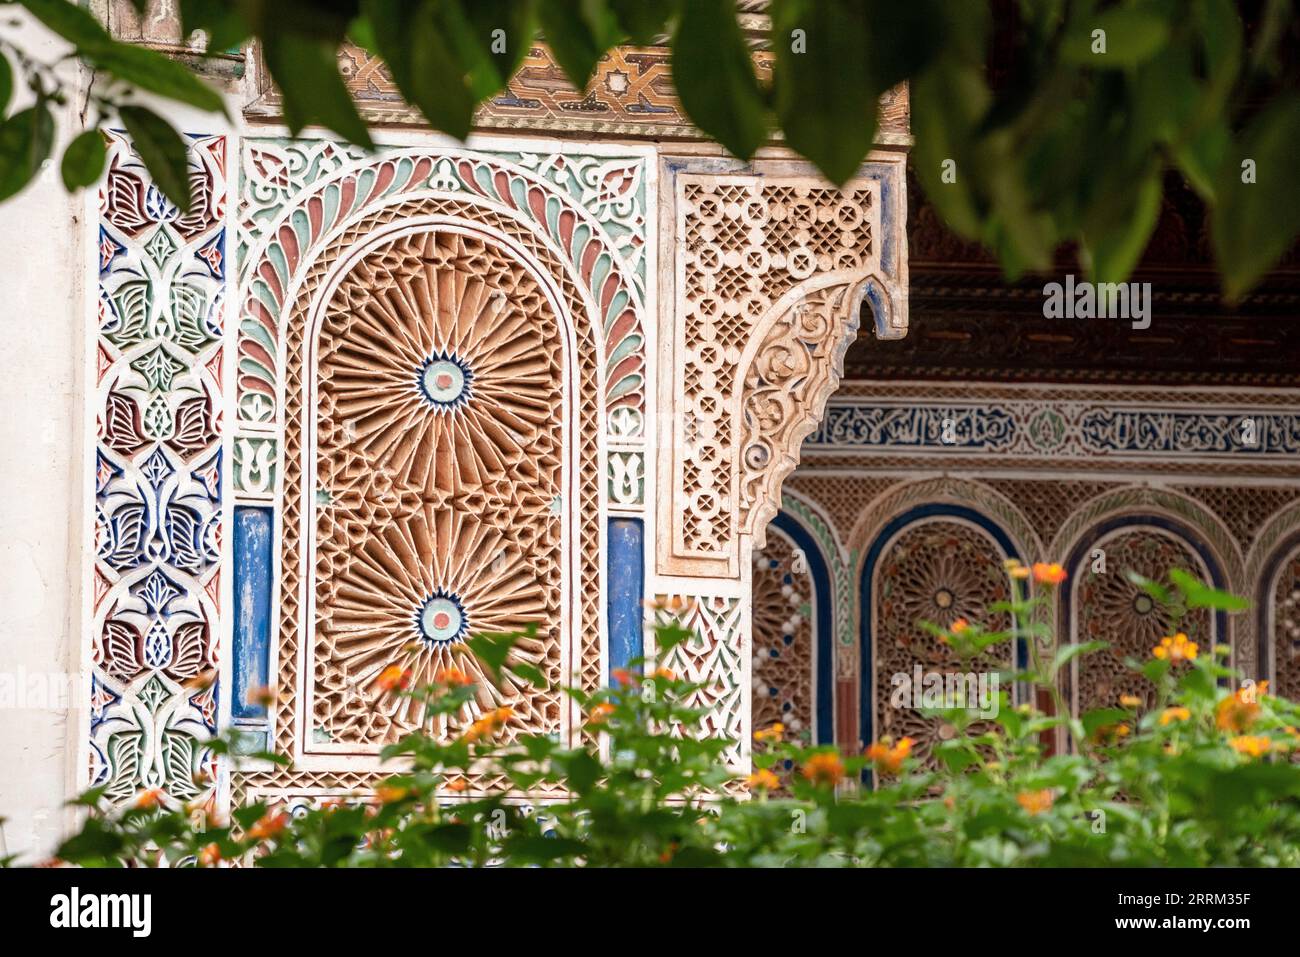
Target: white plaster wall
(42,472)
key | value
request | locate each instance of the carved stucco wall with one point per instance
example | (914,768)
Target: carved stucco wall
(1202,480)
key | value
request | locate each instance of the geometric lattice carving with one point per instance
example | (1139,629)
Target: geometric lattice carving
(784,623)
(1111,608)
(716,656)
(769,273)
(938,571)
(439,459)
(1286,630)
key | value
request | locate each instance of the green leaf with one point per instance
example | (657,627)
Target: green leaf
(25,142)
(152,71)
(496,36)
(84,159)
(424,66)
(1200,595)
(94,842)
(449,838)
(644,20)
(1255,223)
(6,82)
(1115,246)
(826,96)
(1101,717)
(1153,588)
(1131,35)
(306,71)
(714,76)
(162,150)
(578,33)
(1067,653)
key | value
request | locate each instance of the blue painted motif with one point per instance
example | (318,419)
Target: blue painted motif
(626,590)
(252,638)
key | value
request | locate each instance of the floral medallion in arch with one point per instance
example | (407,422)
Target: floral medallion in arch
(295,193)
(784,625)
(439,425)
(940,571)
(1111,608)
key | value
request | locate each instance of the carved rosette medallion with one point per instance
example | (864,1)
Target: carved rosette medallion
(439,421)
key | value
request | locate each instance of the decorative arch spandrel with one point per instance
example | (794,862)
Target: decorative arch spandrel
(769,269)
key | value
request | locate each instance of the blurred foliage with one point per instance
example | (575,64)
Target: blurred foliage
(1101,99)
(1201,771)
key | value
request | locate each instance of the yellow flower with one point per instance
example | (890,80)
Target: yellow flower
(763,780)
(889,758)
(1046,574)
(1036,802)
(1175,648)
(1253,745)
(824,768)
(1238,711)
(1130,701)
(771,733)
(1170,715)
(1020,572)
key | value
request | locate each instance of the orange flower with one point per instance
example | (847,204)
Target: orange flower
(824,768)
(394,676)
(960,626)
(1046,574)
(668,854)
(623,676)
(889,758)
(1130,701)
(489,724)
(1253,745)
(209,855)
(457,785)
(1175,648)
(271,825)
(263,696)
(600,713)
(453,678)
(149,799)
(1238,711)
(1036,802)
(770,733)
(1110,733)
(1170,715)
(391,793)
(667,674)
(762,780)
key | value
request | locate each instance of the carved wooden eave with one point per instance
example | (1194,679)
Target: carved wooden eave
(630,96)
